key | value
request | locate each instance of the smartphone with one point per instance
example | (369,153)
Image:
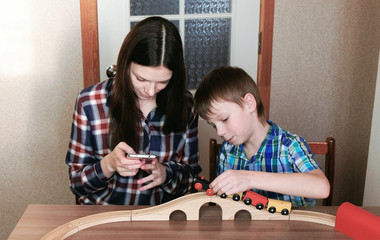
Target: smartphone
(147,157)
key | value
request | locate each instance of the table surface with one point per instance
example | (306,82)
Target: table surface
(39,219)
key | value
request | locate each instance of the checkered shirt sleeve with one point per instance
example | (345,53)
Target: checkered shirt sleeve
(280,152)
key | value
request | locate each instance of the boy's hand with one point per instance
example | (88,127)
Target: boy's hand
(231,182)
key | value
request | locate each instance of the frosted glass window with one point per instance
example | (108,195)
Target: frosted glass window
(207,45)
(214,32)
(154,7)
(207,6)
(175,22)
(205,28)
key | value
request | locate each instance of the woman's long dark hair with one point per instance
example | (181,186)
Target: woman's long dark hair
(152,42)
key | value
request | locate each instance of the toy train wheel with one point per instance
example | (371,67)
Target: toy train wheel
(198,186)
(210,192)
(247,201)
(236,197)
(272,210)
(285,211)
(223,195)
(259,206)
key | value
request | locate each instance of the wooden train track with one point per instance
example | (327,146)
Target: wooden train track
(190,205)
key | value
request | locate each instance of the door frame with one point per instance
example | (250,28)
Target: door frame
(90,47)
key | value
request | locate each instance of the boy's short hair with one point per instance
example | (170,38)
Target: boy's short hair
(228,84)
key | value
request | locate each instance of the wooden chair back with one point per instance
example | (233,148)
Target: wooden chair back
(214,147)
(326,148)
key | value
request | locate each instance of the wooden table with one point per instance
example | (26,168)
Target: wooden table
(38,220)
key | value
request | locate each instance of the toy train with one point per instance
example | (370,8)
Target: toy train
(248,197)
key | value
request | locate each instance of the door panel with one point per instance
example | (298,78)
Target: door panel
(113,22)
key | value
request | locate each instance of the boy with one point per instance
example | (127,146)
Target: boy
(256,154)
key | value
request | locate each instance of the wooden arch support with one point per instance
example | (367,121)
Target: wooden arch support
(190,205)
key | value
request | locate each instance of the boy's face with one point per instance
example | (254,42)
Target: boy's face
(231,121)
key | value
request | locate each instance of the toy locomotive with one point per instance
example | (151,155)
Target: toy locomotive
(248,197)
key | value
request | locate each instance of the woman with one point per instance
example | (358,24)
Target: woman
(144,109)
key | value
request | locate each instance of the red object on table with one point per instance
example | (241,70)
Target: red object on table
(356,222)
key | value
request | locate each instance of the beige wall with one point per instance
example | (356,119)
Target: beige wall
(40,75)
(324,66)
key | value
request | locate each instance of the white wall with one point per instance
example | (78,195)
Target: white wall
(372,189)
(40,75)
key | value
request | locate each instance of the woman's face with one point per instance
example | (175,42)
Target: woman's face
(148,81)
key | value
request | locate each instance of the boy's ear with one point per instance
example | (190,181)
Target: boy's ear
(249,102)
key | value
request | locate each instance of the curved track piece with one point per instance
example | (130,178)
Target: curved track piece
(190,205)
(310,216)
(79,224)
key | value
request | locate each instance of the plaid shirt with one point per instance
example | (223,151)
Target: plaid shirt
(178,152)
(280,152)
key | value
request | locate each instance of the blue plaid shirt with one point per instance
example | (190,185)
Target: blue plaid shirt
(280,152)
(178,152)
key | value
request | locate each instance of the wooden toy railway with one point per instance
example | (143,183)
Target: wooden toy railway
(190,205)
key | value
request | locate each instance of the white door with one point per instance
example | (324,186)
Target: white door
(114,19)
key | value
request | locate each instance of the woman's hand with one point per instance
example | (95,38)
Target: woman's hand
(157,175)
(116,161)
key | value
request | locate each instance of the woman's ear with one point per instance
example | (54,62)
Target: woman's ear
(249,102)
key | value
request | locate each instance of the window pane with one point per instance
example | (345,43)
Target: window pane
(207,6)
(154,7)
(175,22)
(207,45)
